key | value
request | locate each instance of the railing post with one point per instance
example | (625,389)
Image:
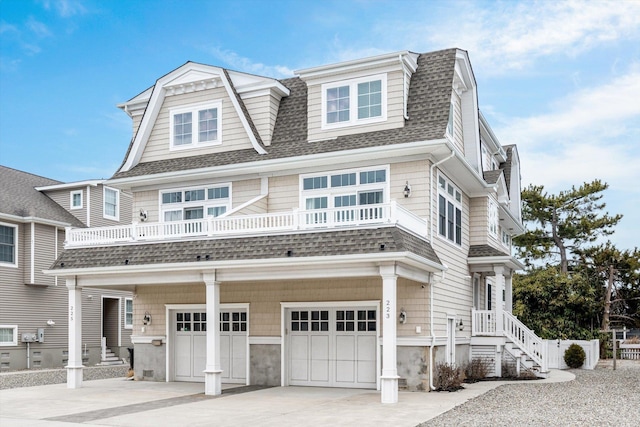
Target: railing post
(393,212)
(296,219)
(210,225)
(103,348)
(67,236)
(134,231)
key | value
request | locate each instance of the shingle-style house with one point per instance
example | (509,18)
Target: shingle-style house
(348,227)
(34,212)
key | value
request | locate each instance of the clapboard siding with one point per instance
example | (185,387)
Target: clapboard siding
(478,221)
(263,111)
(63,198)
(415,173)
(283,193)
(486,353)
(146,201)
(234,135)
(395,110)
(245,190)
(458,140)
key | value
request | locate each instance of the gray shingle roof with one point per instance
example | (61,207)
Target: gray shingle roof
(477,251)
(491,177)
(428,110)
(506,166)
(309,244)
(19,197)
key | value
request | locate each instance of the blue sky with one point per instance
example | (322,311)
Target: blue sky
(561,79)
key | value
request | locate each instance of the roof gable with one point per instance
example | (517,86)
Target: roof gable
(188,78)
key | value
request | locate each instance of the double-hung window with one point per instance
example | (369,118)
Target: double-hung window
(111,207)
(196,125)
(194,203)
(449,211)
(128,313)
(8,245)
(344,197)
(353,102)
(76,199)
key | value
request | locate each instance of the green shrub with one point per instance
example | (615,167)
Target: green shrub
(448,377)
(574,356)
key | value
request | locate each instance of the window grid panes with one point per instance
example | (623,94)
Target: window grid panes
(76,199)
(191,322)
(182,129)
(208,125)
(7,335)
(195,203)
(7,244)
(235,321)
(338,104)
(370,99)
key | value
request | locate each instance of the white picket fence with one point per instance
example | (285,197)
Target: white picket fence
(630,351)
(555,352)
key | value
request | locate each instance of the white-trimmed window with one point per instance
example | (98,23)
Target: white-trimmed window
(195,203)
(506,239)
(75,199)
(8,335)
(8,245)
(493,218)
(111,204)
(449,211)
(128,313)
(353,195)
(355,101)
(196,125)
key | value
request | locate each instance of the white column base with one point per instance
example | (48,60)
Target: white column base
(74,376)
(212,382)
(389,388)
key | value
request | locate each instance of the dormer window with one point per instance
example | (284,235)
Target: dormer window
(196,125)
(354,102)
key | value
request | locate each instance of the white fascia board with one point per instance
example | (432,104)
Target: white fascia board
(287,164)
(241,270)
(517,227)
(465,173)
(248,83)
(71,185)
(29,219)
(507,260)
(348,66)
(462,59)
(496,148)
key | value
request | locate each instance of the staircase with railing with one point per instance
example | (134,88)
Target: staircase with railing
(516,334)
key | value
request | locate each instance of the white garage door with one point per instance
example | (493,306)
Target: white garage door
(332,347)
(190,343)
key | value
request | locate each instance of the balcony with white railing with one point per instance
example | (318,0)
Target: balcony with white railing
(228,226)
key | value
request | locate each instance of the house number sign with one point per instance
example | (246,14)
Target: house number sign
(71,313)
(387,309)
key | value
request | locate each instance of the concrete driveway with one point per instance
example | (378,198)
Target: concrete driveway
(119,402)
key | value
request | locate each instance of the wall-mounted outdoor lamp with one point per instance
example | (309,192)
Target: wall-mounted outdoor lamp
(407,190)
(50,322)
(402,318)
(460,325)
(146,319)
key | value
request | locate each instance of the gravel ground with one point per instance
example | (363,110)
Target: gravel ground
(57,376)
(601,397)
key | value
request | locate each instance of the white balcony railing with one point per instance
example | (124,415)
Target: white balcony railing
(247,224)
(483,323)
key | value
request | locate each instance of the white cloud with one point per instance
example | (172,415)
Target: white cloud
(246,65)
(65,8)
(38,28)
(512,35)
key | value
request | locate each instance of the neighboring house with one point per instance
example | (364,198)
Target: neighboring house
(34,212)
(348,227)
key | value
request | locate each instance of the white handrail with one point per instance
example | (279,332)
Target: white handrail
(352,216)
(526,339)
(483,322)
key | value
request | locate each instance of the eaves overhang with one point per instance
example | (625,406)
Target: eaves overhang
(30,219)
(69,185)
(495,261)
(414,150)
(254,269)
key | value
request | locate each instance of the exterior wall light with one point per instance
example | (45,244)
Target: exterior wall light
(146,320)
(407,190)
(460,325)
(402,318)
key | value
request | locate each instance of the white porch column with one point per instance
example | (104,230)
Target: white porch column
(389,378)
(508,287)
(74,363)
(213,371)
(499,310)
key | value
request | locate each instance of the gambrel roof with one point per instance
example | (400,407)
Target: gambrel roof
(428,111)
